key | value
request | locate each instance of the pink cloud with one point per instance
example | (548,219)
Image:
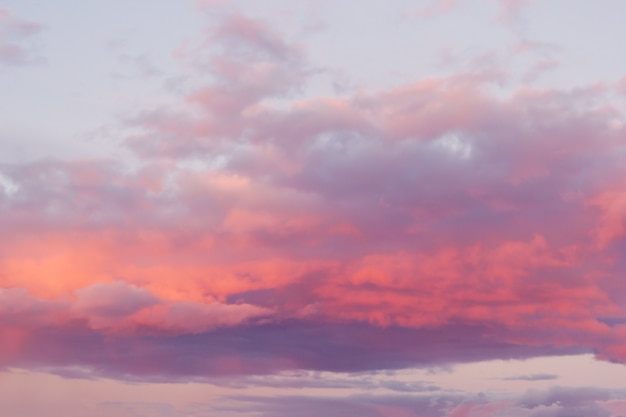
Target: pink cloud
(437,7)
(510,9)
(251,64)
(15,34)
(436,210)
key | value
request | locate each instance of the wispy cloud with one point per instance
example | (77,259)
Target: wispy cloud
(532,377)
(16,37)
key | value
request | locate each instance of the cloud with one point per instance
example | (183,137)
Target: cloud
(437,7)
(508,10)
(103,314)
(431,223)
(511,9)
(593,402)
(568,401)
(114,300)
(248,62)
(532,377)
(151,352)
(299,379)
(15,40)
(554,402)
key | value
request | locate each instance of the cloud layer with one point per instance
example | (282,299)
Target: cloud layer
(441,221)
(16,36)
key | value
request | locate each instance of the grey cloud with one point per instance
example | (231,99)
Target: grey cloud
(532,377)
(115,299)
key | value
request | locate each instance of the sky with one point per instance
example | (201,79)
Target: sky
(244,208)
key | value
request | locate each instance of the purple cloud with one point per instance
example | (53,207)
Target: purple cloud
(532,377)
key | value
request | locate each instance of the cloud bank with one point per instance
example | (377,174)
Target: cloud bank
(261,230)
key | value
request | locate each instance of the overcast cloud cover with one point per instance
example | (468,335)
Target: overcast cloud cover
(239,208)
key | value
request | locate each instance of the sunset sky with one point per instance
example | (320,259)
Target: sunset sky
(305,208)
